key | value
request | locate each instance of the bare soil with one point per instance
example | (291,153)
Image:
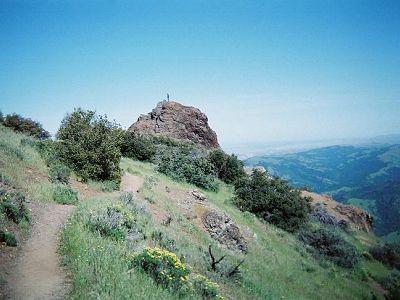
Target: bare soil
(131,183)
(36,272)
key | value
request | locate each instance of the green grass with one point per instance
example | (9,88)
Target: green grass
(276,266)
(23,166)
(99,266)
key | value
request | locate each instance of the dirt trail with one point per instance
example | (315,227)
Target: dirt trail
(36,273)
(131,183)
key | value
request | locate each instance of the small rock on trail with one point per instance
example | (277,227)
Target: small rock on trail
(36,272)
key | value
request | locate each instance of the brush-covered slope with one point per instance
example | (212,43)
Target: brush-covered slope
(276,266)
(153,211)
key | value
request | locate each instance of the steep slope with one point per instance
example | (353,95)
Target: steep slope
(276,265)
(364,176)
(32,269)
(175,120)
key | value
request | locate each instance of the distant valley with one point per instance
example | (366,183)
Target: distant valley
(365,176)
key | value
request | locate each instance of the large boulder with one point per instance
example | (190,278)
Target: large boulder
(222,229)
(175,120)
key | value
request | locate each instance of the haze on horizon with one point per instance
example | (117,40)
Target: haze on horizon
(262,71)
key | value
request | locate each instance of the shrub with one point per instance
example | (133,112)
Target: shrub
(65,195)
(330,245)
(163,266)
(25,125)
(389,254)
(115,222)
(13,206)
(228,167)
(10,239)
(392,285)
(59,172)
(90,145)
(320,214)
(138,147)
(205,287)
(189,167)
(273,200)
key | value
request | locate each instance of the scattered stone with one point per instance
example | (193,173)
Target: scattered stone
(167,189)
(222,229)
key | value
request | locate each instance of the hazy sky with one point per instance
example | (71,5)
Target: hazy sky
(260,70)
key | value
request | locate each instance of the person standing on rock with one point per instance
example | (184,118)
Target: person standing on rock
(167,97)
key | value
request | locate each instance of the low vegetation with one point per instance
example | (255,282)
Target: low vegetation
(273,200)
(387,253)
(119,247)
(331,245)
(13,212)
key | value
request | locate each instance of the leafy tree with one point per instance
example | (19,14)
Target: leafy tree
(189,166)
(138,147)
(228,167)
(273,200)
(90,145)
(24,125)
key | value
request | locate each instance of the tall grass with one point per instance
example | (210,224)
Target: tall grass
(98,265)
(23,166)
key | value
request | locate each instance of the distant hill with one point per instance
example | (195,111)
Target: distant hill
(365,176)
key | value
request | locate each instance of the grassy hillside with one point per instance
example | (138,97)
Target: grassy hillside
(101,263)
(277,265)
(23,166)
(367,177)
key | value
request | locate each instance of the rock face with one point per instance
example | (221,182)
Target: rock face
(175,120)
(222,229)
(357,218)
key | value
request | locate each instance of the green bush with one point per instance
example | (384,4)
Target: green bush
(138,147)
(90,145)
(273,200)
(10,239)
(389,254)
(115,222)
(59,173)
(205,287)
(13,205)
(228,167)
(24,125)
(392,285)
(65,195)
(329,244)
(189,167)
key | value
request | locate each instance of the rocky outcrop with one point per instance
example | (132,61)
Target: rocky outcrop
(355,217)
(175,120)
(222,229)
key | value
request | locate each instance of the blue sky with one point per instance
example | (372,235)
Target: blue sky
(263,71)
